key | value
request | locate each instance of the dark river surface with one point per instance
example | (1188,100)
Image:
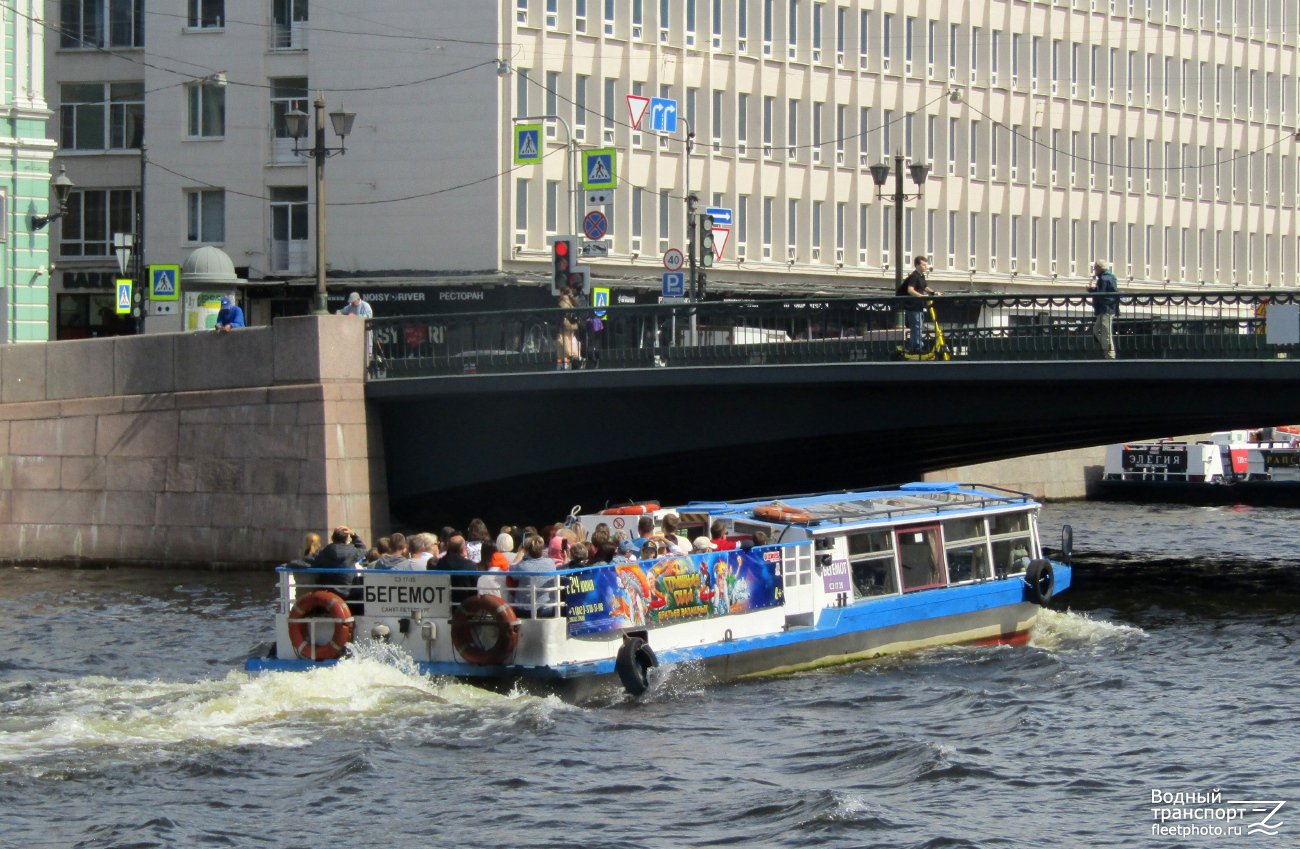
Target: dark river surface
(126,721)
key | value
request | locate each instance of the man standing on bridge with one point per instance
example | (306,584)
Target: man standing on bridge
(1106,306)
(916,288)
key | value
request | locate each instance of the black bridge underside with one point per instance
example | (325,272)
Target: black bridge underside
(513,448)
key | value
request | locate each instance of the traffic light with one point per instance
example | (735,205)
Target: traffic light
(706,240)
(564,256)
(700,283)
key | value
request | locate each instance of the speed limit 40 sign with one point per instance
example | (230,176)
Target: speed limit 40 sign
(673,259)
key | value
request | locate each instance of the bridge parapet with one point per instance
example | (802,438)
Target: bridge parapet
(1166,325)
(200,448)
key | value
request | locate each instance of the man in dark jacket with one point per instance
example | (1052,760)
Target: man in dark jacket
(344,552)
(1105,306)
(456,561)
(916,289)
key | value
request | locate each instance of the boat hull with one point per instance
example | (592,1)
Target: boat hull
(1254,493)
(988,613)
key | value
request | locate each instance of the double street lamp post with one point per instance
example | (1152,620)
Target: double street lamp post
(296,125)
(920,171)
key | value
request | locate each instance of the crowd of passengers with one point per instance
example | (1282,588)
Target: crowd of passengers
(508,560)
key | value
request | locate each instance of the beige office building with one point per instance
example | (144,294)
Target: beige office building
(1159,134)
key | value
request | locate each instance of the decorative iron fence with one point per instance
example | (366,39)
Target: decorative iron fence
(737,333)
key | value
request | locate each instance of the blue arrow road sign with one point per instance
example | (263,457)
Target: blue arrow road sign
(674,284)
(595,225)
(721,217)
(663,115)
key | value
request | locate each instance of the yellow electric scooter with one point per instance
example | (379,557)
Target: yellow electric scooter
(937,351)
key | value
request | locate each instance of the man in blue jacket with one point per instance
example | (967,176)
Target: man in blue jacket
(231,315)
(1105,306)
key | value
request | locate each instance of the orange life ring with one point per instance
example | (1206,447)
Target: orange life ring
(484,610)
(632,509)
(335,608)
(781,513)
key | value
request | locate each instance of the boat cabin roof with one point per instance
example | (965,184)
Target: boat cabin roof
(909,502)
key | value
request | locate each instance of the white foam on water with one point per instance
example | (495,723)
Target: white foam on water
(379,687)
(1056,629)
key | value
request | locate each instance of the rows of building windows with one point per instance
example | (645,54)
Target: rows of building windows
(817,31)
(794,230)
(110,116)
(119,24)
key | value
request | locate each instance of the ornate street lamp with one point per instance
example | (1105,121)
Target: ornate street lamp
(920,172)
(295,123)
(62,186)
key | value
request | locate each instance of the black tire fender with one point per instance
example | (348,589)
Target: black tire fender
(635,658)
(1040,581)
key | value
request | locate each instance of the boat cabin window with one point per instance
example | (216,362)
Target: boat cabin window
(1006,523)
(746,529)
(871,556)
(920,557)
(967,550)
(1013,543)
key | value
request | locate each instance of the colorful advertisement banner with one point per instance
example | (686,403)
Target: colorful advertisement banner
(652,593)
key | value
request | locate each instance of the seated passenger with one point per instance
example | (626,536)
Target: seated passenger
(396,556)
(650,550)
(344,553)
(558,549)
(522,596)
(456,561)
(703,545)
(421,548)
(718,532)
(505,545)
(675,542)
(628,551)
(605,553)
(476,535)
(578,554)
(310,545)
(493,581)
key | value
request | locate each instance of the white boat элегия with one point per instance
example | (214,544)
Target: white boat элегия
(1258,467)
(846,576)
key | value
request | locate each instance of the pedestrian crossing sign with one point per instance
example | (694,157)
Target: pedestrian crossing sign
(598,169)
(528,144)
(123,297)
(164,282)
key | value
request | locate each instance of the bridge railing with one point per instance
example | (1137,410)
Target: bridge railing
(974,327)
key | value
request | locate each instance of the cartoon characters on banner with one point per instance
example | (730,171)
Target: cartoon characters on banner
(674,589)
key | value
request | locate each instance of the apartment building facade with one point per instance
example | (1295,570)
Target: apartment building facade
(1157,133)
(24,177)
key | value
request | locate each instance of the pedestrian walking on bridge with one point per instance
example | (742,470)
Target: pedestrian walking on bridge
(1105,305)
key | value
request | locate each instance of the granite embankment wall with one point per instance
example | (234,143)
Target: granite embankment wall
(1058,475)
(201,448)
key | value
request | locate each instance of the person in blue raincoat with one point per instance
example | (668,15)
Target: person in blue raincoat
(231,316)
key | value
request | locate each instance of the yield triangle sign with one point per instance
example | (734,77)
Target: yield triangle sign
(636,107)
(720,235)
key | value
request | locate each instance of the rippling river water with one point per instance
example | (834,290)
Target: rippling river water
(124,722)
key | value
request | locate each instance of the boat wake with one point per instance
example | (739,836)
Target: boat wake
(59,725)
(1067,629)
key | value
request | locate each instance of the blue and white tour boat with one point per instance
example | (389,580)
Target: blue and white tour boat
(835,578)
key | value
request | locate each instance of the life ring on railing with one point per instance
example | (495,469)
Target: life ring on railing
(1040,581)
(778,512)
(300,632)
(478,611)
(635,657)
(632,509)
